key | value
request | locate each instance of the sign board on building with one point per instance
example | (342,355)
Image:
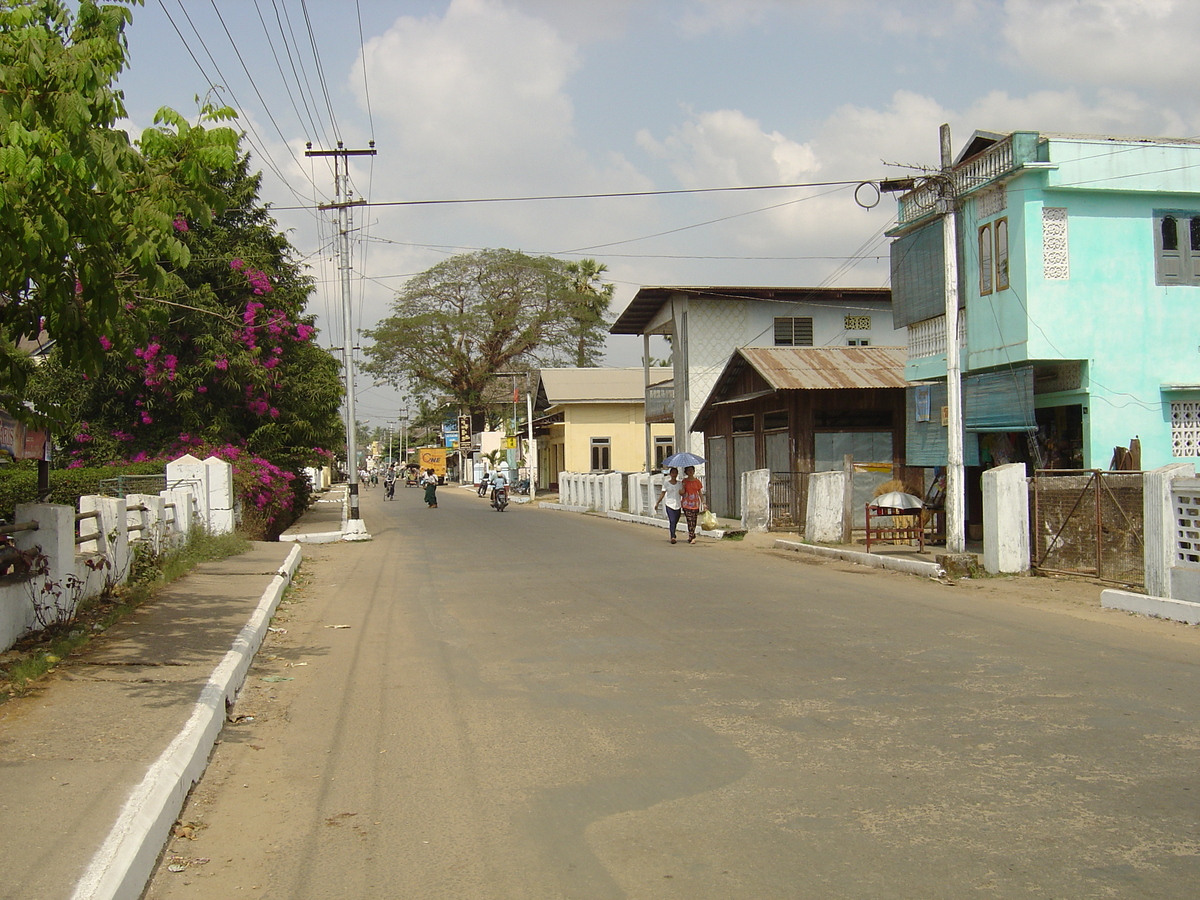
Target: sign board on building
(510,443)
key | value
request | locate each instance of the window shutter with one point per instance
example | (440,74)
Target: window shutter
(1168,257)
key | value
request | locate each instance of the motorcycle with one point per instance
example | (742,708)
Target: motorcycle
(389,487)
(500,499)
(483,488)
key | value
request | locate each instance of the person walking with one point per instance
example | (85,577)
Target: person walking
(691,500)
(672,489)
(430,481)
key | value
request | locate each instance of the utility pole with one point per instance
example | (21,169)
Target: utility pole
(343,201)
(955,480)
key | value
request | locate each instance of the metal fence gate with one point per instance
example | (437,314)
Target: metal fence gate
(1088,522)
(789,500)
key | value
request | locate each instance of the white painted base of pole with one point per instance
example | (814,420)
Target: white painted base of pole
(355,530)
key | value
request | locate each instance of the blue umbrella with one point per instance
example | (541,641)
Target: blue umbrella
(682,460)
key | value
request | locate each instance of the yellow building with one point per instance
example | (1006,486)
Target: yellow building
(594,420)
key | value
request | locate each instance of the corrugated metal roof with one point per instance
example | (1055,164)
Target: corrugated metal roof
(807,369)
(598,385)
(828,368)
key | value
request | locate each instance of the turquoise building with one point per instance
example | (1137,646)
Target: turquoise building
(1079,294)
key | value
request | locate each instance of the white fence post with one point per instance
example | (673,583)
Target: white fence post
(1158,526)
(824,521)
(1006,519)
(755,495)
(220,501)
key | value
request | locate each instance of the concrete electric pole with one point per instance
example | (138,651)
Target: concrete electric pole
(342,203)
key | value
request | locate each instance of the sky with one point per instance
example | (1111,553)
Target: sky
(500,99)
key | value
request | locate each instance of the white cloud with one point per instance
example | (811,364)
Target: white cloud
(725,147)
(469,93)
(1134,42)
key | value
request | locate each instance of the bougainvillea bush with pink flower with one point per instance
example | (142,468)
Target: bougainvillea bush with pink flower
(228,365)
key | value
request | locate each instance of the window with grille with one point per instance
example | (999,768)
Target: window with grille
(601,454)
(663,447)
(1177,248)
(985,259)
(794,331)
(1002,254)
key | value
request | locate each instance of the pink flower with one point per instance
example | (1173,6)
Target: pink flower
(222,364)
(75,464)
(105,343)
(180,224)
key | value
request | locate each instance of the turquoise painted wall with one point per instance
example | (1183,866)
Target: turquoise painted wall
(1134,335)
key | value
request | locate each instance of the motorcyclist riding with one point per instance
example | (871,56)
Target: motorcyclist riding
(499,484)
(389,484)
(483,485)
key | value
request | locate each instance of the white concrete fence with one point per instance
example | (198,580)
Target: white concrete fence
(58,556)
(1170,547)
(598,492)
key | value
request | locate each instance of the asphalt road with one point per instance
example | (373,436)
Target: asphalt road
(539,704)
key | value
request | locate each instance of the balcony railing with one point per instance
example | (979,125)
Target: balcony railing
(985,168)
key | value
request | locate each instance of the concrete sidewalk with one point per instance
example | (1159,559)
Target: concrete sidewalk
(96,762)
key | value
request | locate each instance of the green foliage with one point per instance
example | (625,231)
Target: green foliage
(457,324)
(86,217)
(231,361)
(18,483)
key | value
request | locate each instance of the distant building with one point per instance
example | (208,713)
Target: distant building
(706,324)
(594,420)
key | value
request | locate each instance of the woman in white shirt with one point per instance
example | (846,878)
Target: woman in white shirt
(671,488)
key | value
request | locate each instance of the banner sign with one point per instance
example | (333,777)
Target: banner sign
(432,458)
(21,442)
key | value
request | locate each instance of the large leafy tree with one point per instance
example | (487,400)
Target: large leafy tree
(458,324)
(85,215)
(230,358)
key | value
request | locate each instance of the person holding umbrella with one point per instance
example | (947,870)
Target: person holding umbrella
(691,499)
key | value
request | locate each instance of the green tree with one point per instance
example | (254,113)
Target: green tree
(86,218)
(230,358)
(458,324)
(587,312)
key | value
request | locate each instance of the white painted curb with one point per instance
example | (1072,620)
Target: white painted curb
(1147,605)
(654,521)
(911,566)
(126,859)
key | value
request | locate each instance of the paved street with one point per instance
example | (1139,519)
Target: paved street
(539,704)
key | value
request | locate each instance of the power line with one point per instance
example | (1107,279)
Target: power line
(312,40)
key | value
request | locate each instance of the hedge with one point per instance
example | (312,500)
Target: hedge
(18,483)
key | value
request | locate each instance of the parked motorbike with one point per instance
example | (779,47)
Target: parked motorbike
(500,499)
(522,486)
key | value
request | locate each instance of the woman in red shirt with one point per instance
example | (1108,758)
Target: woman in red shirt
(691,500)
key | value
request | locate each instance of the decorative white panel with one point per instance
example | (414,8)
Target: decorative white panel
(1185,428)
(1055,257)
(1187,528)
(990,202)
